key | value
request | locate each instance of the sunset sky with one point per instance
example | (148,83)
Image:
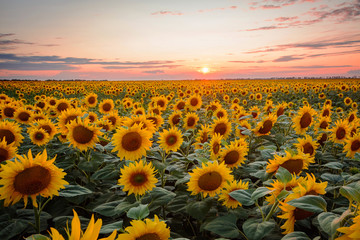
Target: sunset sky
(164,39)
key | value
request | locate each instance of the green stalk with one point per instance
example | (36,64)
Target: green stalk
(273,209)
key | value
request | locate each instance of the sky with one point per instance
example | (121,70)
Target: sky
(174,40)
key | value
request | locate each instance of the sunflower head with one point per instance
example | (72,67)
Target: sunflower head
(352,145)
(7,151)
(265,126)
(224,196)
(304,119)
(38,136)
(11,132)
(307,145)
(340,131)
(221,126)
(215,146)
(82,134)
(234,154)
(190,121)
(170,140)
(293,163)
(174,118)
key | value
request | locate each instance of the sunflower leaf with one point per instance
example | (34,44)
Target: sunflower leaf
(283,175)
(139,212)
(37,237)
(296,236)
(243,196)
(325,222)
(259,193)
(350,192)
(74,191)
(255,229)
(224,226)
(198,210)
(309,203)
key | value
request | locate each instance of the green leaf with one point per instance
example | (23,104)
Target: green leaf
(283,175)
(325,219)
(107,173)
(13,228)
(178,203)
(243,196)
(107,209)
(334,178)
(74,191)
(198,210)
(309,203)
(255,229)
(160,197)
(334,165)
(296,236)
(224,226)
(259,193)
(124,206)
(139,212)
(351,193)
(37,237)
(109,228)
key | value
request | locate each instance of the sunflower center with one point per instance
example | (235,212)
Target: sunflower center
(216,148)
(8,135)
(210,181)
(52,102)
(355,145)
(176,119)
(340,133)
(91,100)
(194,101)
(220,128)
(180,105)
(149,236)
(154,119)
(62,106)
(138,179)
(301,214)
(191,122)
(171,140)
(231,157)
(40,105)
(308,148)
(47,128)
(131,141)
(70,118)
(204,137)
(9,112)
(161,103)
(32,180)
(323,139)
(293,165)
(351,118)
(266,127)
(326,113)
(305,120)
(82,134)
(24,116)
(112,120)
(220,114)
(324,125)
(280,112)
(254,114)
(4,154)
(39,136)
(106,107)
(156,111)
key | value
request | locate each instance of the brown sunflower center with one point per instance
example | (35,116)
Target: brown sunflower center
(231,157)
(8,135)
(324,124)
(62,106)
(82,134)
(176,119)
(70,118)
(220,114)
(191,121)
(194,102)
(4,154)
(216,148)
(112,120)
(266,127)
(308,148)
(24,116)
(305,120)
(9,112)
(301,214)
(47,128)
(355,145)
(39,136)
(340,133)
(131,141)
(210,181)
(220,128)
(323,139)
(180,105)
(40,104)
(171,140)
(153,119)
(52,102)
(91,100)
(161,103)
(254,114)
(351,118)
(156,111)
(91,118)
(280,111)
(293,165)
(204,138)
(138,179)
(326,113)
(32,180)
(106,107)
(149,236)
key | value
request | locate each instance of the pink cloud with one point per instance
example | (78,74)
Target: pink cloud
(167,13)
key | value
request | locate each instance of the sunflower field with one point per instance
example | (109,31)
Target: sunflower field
(182,160)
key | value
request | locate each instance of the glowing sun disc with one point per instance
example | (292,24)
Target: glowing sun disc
(205,70)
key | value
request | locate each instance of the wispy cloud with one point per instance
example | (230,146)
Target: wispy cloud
(6,34)
(259,61)
(142,66)
(273,4)
(14,41)
(321,66)
(354,72)
(287,58)
(154,72)
(21,66)
(167,13)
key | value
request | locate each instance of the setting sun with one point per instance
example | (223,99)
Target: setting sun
(205,70)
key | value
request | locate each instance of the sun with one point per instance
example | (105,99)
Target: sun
(205,70)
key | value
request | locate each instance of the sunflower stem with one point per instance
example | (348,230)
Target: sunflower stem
(243,234)
(37,219)
(273,209)
(262,214)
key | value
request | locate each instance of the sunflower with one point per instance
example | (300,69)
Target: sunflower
(146,230)
(352,232)
(233,155)
(37,117)
(114,119)
(93,117)
(147,124)
(179,105)
(304,119)
(194,102)
(47,125)
(174,118)
(67,116)
(215,146)
(352,145)
(254,111)
(8,110)
(131,143)
(157,120)
(138,178)
(92,230)
(11,132)
(224,196)
(160,102)
(202,137)
(340,131)
(139,111)
(243,125)
(190,120)
(82,134)
(352,116)
(7,151)
(348,101)
(294,164)
(61,105)
(91,100)
(307,145)
(221,126)
(277,186)
(322,124)
(221,113)
(210,179)
(29,177)
(106,106)
(326,111)
(22,115)
(265,126)
(104,124)
(170,140)
(38,136)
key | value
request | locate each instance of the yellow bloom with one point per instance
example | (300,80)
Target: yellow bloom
(304,119)
(265,126)
(224,196)
(170,140)
(234,155)
(352,145)
(307,145)
(82,134)
(294,164)
(352,232)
